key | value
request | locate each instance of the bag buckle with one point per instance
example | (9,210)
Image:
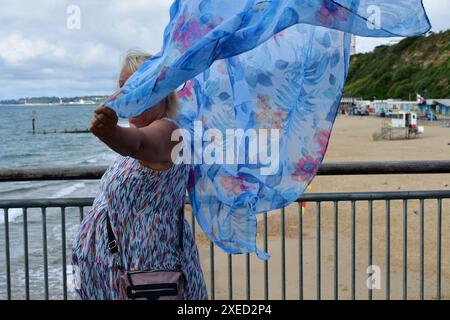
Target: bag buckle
(113,247)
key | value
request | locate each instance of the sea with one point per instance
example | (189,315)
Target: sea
(20,148)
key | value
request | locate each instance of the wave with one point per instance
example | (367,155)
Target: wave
(14,213)
(68,190)
(14,156)
(103,158)
(36,276)
(21,187)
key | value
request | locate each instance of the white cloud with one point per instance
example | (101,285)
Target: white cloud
(438,11)
(39,55)
(15,49)
(38,51)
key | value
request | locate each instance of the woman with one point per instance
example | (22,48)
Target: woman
(142,191)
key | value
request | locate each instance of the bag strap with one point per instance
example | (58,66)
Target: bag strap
(113,245)
(181,228)
(112,242)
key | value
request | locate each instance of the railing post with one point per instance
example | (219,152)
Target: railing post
(405,249)
(211,256)
(439,251)
(266,263)
(370,293)
(63,240)
(247,271)
(422,249)
(25,252)
(44,251)
(193,223)
(319,260)
(353,267)
(7,254)
(336,250)
(230,277)
(388,250)
(283,254)
(300,251)
(81,214)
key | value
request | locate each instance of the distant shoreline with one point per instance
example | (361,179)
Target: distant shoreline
(47,104)
(37,101)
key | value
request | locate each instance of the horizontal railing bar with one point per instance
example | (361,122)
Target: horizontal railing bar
(309,197)
(51,174)
(46,203)
(327,169)
(366,196)
(384,168)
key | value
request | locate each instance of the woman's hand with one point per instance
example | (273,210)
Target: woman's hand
(152,143)
(104,122)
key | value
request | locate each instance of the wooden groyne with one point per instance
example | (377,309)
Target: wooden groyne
(50,131)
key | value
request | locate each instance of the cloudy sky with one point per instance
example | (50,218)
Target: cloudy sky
(44,52)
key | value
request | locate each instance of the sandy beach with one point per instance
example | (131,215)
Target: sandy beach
(352,141)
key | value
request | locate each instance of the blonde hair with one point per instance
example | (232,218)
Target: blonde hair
(133,60)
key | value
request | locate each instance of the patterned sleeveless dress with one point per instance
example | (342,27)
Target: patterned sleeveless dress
(143,206)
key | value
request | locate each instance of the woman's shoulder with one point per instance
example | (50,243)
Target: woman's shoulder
(171,120)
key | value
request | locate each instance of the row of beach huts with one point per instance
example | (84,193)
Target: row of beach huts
(428,108)
(400,115)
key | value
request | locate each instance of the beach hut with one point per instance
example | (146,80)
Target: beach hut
(439,106)
(442,106)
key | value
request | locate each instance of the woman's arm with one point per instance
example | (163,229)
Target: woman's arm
(149,144)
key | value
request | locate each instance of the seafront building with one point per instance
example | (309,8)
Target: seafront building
(436,106)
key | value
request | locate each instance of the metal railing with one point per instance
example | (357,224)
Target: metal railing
(324,239)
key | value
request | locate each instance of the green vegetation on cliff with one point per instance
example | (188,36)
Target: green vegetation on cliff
(414,65)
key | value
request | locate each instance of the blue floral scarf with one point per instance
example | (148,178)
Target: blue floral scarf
(276,68)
